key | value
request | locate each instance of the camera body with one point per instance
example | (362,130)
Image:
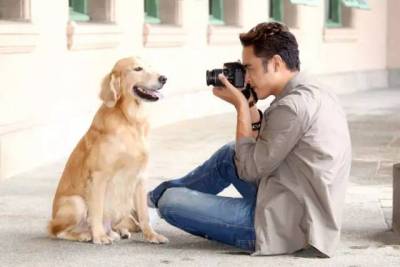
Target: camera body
(233,71)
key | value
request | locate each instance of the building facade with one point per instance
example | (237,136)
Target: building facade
(54,54)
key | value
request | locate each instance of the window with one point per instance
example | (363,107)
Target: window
(285,11)
(339,25)
(216,12)
(78,10)
(276,10)
(162,12)
(163,23)
(334,14)
(224,12)
(339,12)
(100,11)
(98,30)
(152,11)
(17,34)
(225,21)
(14,10)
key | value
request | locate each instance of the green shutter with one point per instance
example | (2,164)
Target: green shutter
(78,10)
(152,11)
(334,16)
(216,12)
(362,4)
(306,2)
(79,6)
(276,10)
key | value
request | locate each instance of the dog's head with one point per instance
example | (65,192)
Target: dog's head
(131,77)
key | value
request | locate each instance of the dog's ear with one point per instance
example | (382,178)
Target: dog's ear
(110,90)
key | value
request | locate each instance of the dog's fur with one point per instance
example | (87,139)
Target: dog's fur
(101,195)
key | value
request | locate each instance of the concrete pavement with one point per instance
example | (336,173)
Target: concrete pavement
(374,118)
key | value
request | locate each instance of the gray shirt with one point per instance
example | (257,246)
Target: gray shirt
(301,163)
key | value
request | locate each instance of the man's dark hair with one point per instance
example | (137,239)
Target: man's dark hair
(273,38)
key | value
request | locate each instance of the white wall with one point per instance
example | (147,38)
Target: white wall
(393,34)
(49,93)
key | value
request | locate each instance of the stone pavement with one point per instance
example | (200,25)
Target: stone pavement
(374,118)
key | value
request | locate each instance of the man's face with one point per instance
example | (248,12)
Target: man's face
(263,80)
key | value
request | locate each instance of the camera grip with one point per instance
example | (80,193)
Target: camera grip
(249,91)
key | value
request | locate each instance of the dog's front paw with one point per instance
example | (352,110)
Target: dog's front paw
(85,237)
(156,238)
(114,236)
(102,239)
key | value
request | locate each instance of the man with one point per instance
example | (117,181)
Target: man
(291,172)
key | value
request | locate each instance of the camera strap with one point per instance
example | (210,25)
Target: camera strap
(255,97)
(248,91)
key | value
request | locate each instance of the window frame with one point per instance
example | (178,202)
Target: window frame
(340,30)
(78,10)
(152,11)
(334,14)
(276,10)
(100,32)
(168,31)
(216,12)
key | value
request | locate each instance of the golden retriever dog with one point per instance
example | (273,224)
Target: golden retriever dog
(101,195)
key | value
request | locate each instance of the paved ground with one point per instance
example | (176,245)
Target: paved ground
(374,118)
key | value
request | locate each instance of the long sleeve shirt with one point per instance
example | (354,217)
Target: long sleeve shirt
(301,163)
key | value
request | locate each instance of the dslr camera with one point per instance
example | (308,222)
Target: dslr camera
(233,71)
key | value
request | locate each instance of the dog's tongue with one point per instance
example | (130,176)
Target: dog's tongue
(152,93)
(155,94)
(146,94)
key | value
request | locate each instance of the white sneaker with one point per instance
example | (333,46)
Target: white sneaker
(154,216)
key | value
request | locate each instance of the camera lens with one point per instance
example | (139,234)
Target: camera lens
(212,77)
(209,78)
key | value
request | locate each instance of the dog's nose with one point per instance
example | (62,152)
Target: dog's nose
(162,79)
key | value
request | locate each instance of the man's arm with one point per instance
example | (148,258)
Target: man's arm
(283,128)
(245,117)
(256,159)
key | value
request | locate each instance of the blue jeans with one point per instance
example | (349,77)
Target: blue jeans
(191,202)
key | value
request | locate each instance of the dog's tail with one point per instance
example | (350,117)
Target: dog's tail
(71,210)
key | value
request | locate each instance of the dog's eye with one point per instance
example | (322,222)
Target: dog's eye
(138,69)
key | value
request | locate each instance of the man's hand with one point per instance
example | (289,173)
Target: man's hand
(229,93)
(232,95)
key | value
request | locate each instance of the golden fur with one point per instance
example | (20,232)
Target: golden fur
(101,195)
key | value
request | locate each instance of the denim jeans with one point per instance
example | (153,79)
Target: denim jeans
(191,202)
